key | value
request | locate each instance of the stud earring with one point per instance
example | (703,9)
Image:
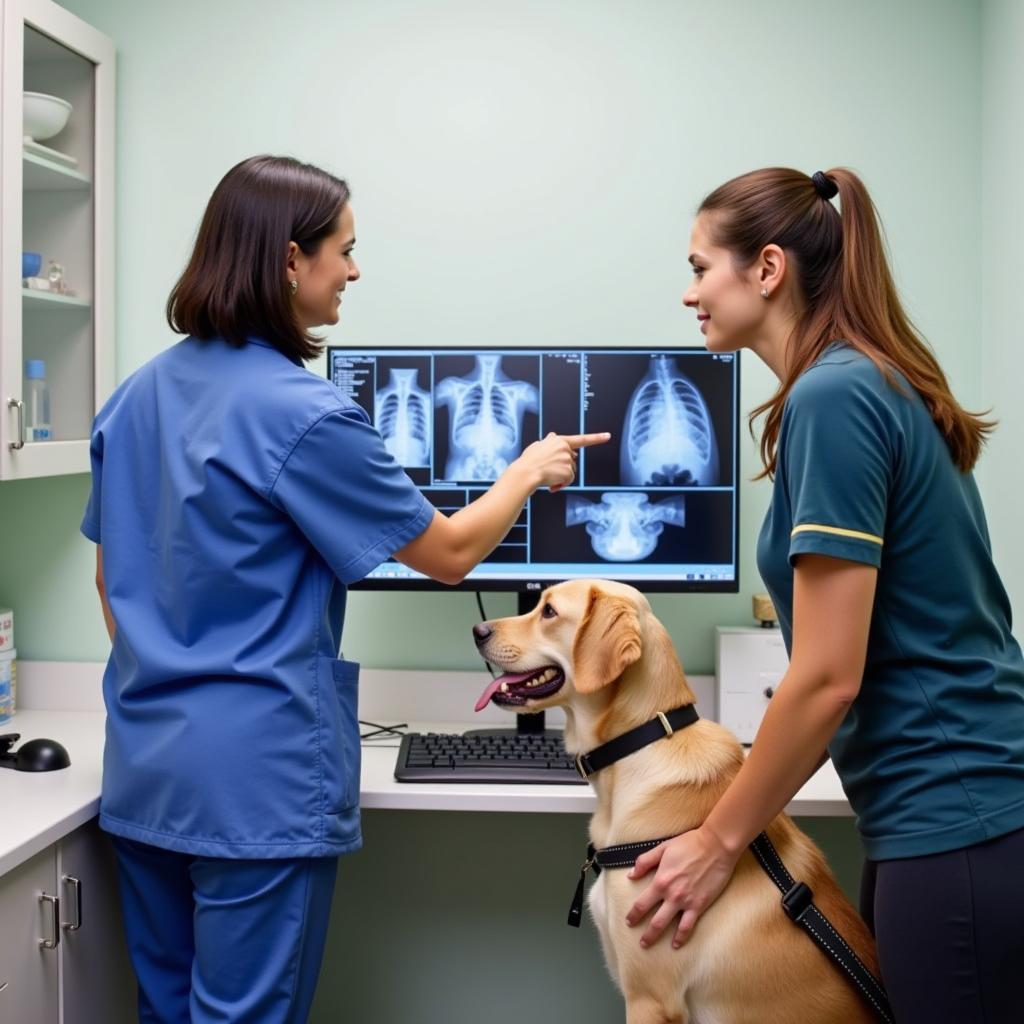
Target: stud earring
(764,292)
(294,285)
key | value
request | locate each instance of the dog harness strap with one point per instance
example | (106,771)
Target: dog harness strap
(798,903)
(622,856)
(663,724)
(576,907)
(625,854)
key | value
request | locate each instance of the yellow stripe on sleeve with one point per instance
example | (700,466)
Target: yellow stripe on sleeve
(837,531)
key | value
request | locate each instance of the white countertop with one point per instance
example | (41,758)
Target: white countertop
(821,796)
(36,809)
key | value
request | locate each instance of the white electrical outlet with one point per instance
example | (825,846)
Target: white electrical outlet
(750,662)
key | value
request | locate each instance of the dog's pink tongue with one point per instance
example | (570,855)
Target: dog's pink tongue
(495,685)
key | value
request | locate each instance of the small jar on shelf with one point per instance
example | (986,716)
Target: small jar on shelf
(37,402)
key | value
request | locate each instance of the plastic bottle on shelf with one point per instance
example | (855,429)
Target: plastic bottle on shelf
(37,402)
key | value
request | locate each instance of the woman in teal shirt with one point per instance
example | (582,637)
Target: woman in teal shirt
(877,555)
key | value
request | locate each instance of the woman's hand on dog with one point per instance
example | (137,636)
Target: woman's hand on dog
(692,869)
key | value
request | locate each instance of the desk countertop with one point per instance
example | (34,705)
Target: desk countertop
(821,796)
(37,809)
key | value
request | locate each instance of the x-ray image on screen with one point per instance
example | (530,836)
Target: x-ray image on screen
(403,415)
(487,413)
(657,506)
(670,417)
(625,526)
(667,437)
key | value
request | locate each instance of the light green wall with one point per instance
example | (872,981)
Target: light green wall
(1002,224)
(522,172)
(526,172)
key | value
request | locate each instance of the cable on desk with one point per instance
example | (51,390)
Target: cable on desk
(382,730)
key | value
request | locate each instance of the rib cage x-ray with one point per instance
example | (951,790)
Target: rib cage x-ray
(404,418)
(667,438)
(486,412)
(624,526)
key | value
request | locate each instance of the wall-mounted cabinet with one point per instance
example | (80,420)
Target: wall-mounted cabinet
(58,204)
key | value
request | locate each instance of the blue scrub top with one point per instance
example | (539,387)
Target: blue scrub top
(931,753)
(236,494)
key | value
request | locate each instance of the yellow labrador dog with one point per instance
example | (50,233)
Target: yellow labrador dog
(595,648)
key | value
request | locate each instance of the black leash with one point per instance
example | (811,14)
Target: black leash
(797,897)
(798,903)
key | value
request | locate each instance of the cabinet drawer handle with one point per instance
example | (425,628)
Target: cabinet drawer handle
(54,901)
(71,880)
(17,403)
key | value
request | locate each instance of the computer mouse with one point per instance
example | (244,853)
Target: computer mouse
(41,756)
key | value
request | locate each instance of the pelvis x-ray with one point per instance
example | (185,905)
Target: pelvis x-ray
(667,438)
(486,412)
(624,526)
(404,418)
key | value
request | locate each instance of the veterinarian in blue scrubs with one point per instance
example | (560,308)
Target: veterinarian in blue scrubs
(235,495)
(877,555)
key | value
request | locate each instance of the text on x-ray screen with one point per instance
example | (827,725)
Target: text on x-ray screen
(657,502)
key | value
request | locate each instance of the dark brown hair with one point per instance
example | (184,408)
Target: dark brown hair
(846,292)
(235,285)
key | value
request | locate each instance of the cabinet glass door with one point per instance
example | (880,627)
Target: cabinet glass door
(57,286)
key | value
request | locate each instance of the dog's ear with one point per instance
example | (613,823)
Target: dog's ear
(607,642)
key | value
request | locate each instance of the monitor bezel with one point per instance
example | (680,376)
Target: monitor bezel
(536,586)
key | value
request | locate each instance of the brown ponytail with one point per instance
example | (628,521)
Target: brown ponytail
(847,290)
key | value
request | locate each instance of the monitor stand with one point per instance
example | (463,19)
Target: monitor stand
(526,725)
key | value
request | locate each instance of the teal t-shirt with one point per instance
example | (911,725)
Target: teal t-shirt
(931,753)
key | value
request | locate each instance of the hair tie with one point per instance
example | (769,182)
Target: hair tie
(824,185)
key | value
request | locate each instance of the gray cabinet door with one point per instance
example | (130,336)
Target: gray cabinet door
(28,972)
(98,984)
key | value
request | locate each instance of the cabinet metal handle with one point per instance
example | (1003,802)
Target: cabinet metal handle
(17,403)
(67,925)
(54,902)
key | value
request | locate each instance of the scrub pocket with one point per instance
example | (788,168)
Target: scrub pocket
(340,750)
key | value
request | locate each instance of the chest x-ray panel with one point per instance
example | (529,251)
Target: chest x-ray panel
(625,526)
(404,418)
(485,419)
(656,506)
(667,437)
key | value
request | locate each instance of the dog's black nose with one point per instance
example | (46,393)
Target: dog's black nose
(482,633)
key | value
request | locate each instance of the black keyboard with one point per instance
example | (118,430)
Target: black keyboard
(513,757)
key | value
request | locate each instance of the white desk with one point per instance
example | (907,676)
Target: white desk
(822,796)
(36,809)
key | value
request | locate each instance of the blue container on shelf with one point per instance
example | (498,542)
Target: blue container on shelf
(31,263)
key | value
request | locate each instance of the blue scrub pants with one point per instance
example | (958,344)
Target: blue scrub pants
(213,939)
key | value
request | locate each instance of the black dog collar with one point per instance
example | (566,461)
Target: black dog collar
(665,723)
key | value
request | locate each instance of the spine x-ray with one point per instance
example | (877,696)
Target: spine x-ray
(667,437)
(624,526)
(486,412)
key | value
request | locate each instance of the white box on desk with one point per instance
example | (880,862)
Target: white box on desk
(750,662)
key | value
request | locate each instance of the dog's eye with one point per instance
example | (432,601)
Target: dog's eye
(547,612)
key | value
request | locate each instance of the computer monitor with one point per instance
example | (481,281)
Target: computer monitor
(657,507)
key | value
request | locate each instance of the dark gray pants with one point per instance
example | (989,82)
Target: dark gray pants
(950,932)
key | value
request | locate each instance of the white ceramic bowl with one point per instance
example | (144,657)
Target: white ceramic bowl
(45,115)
